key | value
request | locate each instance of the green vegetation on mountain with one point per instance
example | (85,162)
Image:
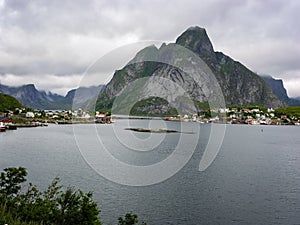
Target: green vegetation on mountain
(149,107)
(9,103)
(292,111)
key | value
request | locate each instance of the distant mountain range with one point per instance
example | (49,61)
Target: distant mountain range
(240,86)
(30,97)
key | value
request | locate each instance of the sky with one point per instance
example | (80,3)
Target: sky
(53,43)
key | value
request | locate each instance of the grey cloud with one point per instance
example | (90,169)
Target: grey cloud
(64,37)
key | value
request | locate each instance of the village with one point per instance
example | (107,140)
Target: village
(233,115)
(253,116)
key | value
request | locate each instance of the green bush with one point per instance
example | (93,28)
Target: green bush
(54,206)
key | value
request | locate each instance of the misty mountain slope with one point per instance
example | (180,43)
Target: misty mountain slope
(30,97)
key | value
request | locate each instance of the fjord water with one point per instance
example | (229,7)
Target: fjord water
(255,178)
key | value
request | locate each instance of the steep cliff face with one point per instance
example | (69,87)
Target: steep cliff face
(239,85)
(197,40)
(279,91)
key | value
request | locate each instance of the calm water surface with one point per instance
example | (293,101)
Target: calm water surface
(255,178)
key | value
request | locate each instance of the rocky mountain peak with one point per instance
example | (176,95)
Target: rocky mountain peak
(240,86)
(29,87)
(148,53)
(197,40)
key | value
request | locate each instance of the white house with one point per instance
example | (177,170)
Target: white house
(30,115)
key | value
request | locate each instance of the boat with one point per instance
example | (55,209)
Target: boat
(2,127)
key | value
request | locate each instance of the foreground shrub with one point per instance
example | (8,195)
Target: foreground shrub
(54,206)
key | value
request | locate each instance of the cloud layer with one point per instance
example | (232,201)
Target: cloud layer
(52,43)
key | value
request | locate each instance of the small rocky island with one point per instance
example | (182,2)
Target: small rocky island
(152,130)
(144,130)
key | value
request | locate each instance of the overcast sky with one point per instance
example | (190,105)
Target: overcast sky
(52,43)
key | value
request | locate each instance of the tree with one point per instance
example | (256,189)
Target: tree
(11,180)
(130,219)
(77,208)
(54,206)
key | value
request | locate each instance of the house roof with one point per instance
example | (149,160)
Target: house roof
(4,120)
(100,115)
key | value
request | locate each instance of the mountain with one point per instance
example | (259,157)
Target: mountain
(30,97)
(8,103)
(278,89)
(82,96)
(239,85)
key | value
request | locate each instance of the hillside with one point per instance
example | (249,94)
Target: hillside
(8,103)
(239,85)
(291,111)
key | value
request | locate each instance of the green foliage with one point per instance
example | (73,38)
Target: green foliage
(201,106)
(77,208)
(150,107)
(119,76)
(148,69)
(10,181)
(292,111)
(130,219)
(8,103)
(6,217)
(105,106)
(54,206)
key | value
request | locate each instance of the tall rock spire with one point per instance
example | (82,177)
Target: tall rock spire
(197,40)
